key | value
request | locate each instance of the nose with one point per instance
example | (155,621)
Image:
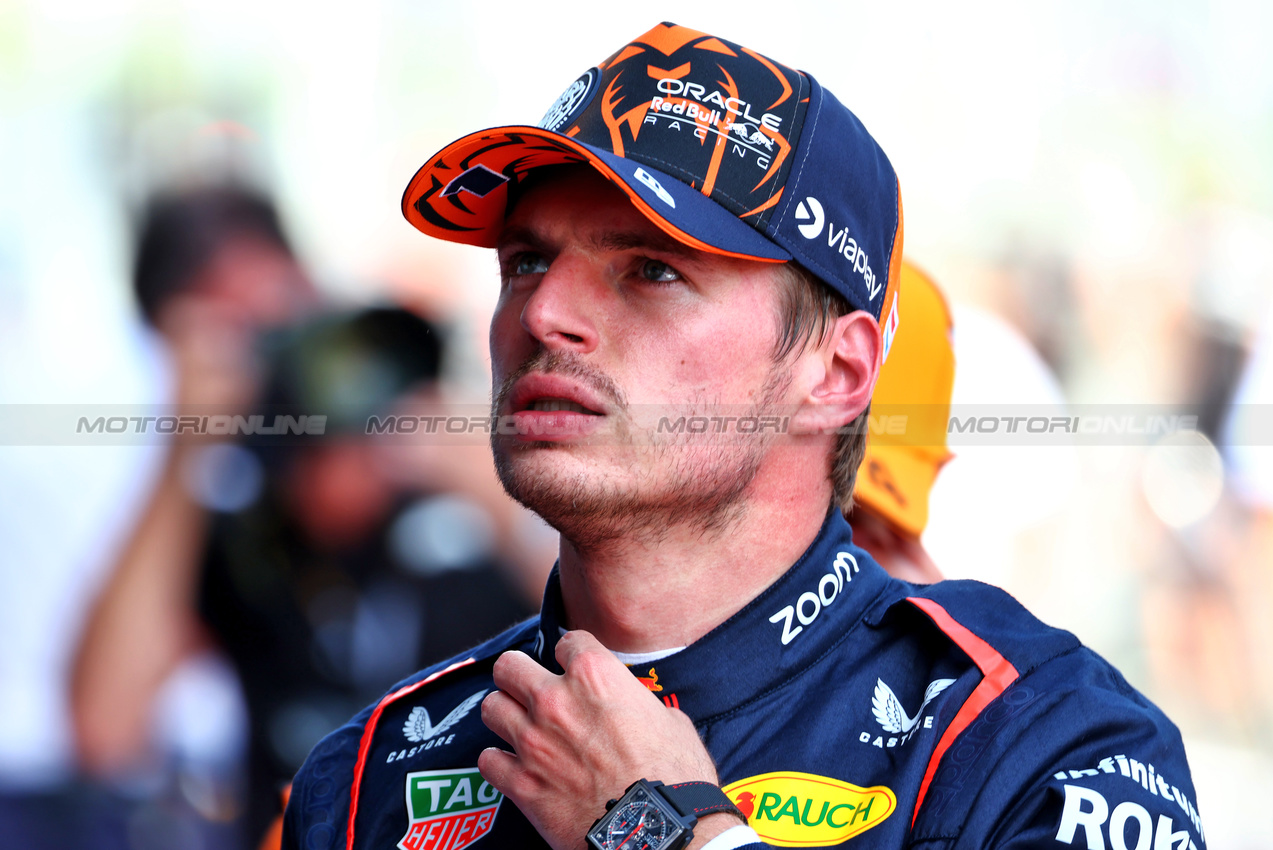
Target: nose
(562,311)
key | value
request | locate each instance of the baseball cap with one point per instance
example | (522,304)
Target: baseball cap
(724,149)
(899,469)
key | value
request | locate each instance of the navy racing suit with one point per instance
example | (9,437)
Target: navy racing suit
(842,706)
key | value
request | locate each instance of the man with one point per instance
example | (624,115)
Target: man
(655,286)
(214,271)
(907,445)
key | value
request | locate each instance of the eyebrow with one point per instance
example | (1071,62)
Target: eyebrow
(611,240)
(520,235)
(656,240)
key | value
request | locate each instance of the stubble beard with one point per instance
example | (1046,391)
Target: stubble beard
(678,482)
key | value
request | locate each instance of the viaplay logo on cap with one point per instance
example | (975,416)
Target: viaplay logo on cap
(838,240)
(809,208)
(448,809)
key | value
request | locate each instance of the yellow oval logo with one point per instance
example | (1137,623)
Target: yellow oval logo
(793,809)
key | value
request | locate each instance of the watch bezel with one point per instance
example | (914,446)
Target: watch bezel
(683,826)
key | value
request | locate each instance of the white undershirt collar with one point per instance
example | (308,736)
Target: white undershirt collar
(631,659)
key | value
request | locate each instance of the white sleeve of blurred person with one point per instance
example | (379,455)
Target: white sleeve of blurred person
(998,488)
(65,511)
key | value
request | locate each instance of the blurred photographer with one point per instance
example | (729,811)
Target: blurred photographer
(213,271)
(274,583)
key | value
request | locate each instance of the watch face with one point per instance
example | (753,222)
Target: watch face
(637,822)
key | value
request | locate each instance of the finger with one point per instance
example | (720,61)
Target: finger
(590,665)
(576,643)
(499,768)
(519,676)
(505,716)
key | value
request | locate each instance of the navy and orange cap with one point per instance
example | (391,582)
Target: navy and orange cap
(727,151)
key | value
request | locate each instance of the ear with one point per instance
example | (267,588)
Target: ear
(841,374)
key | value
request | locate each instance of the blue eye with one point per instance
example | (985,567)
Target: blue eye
(658,272)
(525,264)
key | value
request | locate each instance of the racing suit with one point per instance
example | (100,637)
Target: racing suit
(840,705)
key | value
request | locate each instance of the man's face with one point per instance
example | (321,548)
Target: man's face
(604,326)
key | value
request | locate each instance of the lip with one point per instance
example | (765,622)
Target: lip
(534,387)
(555,425)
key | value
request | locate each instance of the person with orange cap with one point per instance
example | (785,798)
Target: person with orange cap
(907,447)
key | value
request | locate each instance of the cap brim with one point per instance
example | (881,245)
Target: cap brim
(894,483)
(461,193)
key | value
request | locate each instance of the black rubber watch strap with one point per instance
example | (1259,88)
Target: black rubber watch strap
(699,799)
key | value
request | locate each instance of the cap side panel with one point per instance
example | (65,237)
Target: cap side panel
(799,175)
(839,217)
(808,262)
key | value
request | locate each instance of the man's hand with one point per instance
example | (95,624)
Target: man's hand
(580,739)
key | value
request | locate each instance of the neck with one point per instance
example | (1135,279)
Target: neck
(642,594)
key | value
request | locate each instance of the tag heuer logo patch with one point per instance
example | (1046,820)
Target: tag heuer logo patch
(419,728)
(448,809)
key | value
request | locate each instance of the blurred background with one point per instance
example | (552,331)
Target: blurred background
(1089,182)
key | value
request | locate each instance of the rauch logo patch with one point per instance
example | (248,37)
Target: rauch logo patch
(448,809)
(793,809)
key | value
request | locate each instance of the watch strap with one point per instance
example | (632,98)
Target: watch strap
(696,799)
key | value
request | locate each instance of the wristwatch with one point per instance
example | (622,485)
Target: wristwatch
(654,816)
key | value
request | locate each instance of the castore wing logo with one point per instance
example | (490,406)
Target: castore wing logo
(420,728)
(888,710)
